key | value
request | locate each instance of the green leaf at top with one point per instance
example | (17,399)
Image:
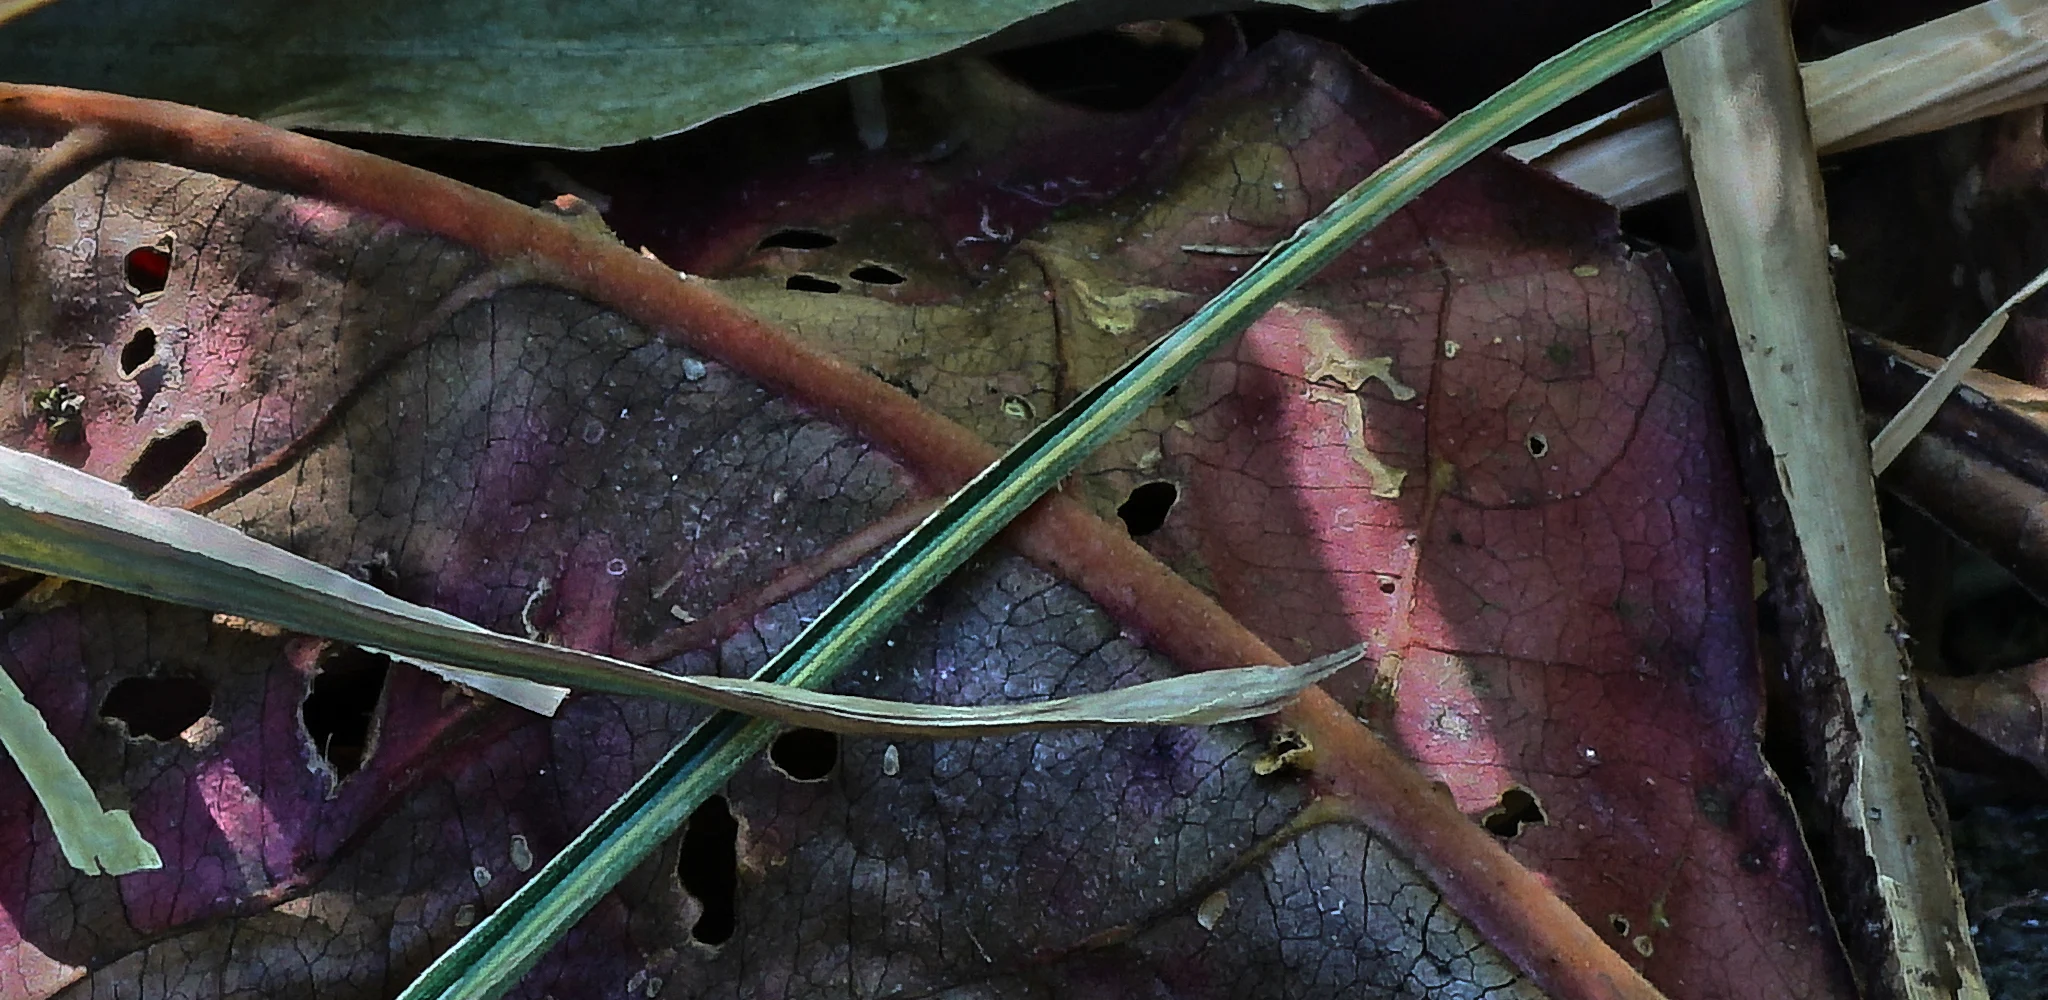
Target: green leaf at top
(583,75)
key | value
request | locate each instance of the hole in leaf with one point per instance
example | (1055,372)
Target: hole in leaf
(157,707)
(797,239)
(1538,445)
(1619,923)
(1517,808)
(810,283)
(338,712)
(163,459)
(1144,511)
(805,754)
(875,274)
(708,865)
(1388,586)
(141,350)
(147,269)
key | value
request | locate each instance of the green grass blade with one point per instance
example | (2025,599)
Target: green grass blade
(500,949)
(94,840)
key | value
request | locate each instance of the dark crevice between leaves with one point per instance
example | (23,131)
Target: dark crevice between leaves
(162,459)
(157,707)
(1518,808)
(805,754)
(1454,53)
(1122,70)
(340,711)
(708,865)
(15,585)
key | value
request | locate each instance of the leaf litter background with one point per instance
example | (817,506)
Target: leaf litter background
(1483,441)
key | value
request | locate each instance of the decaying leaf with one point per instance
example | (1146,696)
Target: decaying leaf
(475,439)
(1534,567)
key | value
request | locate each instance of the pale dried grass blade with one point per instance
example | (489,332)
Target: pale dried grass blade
(1975,63)
(11,9)
(1757,184)
(59,521)
(1197,699)
(94,840)
(1627,157)
(1914,416)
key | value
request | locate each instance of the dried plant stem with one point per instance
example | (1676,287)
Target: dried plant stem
(1980,469)
(1975,63)
(1913,417)
(1739,100)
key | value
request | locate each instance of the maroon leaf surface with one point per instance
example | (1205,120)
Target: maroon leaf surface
(1537,531)
(1482,441)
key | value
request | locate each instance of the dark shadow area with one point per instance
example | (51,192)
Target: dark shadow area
(1121,70)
